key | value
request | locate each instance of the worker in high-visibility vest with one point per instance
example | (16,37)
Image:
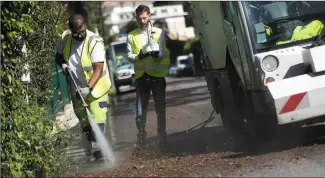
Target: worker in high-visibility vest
(310,30)
(147,50)
(82,52)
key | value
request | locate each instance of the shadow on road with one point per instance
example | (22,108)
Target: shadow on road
(177,81)
(215,139)
(287,138)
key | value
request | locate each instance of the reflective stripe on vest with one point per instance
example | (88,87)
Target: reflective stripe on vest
(90,68)
(153,67)
(104,83)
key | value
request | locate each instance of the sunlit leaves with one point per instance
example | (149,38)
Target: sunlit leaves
(27,145)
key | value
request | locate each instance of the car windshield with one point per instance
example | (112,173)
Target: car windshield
(184,61)
(276,23)
(121,61)
(120,49)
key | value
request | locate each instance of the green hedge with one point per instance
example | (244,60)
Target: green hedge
(29,147)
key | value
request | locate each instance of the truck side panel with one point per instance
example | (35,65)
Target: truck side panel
(209,18)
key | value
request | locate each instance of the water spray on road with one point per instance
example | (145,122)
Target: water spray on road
(102,142)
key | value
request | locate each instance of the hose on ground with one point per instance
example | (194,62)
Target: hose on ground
(198,126)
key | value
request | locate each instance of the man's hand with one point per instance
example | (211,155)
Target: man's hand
(84,92)
(65,68)
(154,54)
(142,55)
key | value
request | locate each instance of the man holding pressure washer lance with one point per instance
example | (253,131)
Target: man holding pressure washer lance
(81,55)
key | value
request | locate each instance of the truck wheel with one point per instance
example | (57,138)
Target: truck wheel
(264,129)
(225,101)
(228,112)
(258,126)
(235,84)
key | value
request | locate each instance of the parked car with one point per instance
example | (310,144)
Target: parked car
(183,65)
(122,69)
(124,74)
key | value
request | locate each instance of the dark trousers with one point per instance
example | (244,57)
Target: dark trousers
(90,133)
(145,85)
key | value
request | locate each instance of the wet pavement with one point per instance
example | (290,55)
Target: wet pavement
(197,143)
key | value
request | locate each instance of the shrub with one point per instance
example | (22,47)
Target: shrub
(28,145)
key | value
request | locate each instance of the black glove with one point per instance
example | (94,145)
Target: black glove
(142,56)
(154,54)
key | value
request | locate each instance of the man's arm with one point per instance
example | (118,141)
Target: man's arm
(98,70)
(130,53)
(161,43)
(59,50)
(97,58)
(59,59)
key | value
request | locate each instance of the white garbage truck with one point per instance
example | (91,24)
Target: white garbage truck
(265,62)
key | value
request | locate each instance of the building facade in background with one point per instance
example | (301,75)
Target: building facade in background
(118,14)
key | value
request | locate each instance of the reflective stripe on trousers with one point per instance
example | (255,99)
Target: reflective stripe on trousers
(98,108)
(152,67)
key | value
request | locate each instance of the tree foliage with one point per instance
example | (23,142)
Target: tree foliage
(95,17)
(28,143)
(93,13)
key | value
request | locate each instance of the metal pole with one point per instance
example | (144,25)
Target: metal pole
(78,89)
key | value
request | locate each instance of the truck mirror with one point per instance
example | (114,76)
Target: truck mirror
(260,33)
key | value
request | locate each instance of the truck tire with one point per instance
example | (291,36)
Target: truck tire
(257,126)
(238,122)
(228,111)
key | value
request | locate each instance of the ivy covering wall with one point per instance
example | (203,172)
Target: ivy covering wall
(29,147)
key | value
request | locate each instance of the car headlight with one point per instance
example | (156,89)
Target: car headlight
(270,63)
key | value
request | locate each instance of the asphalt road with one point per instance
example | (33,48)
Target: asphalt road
(199,148)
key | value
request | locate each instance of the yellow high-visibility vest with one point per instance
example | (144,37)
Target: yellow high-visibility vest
(153,67)
(104,83)
(310,30)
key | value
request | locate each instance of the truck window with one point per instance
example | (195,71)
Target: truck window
(274,23)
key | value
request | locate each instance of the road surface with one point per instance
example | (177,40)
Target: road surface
(199,146)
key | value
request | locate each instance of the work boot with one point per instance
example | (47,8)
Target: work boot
(88,151)
(142,135)
(161,138)
(161,133)
(98,156)
(142,138)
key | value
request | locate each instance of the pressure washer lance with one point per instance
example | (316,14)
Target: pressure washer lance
(106,147)
(78,89)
